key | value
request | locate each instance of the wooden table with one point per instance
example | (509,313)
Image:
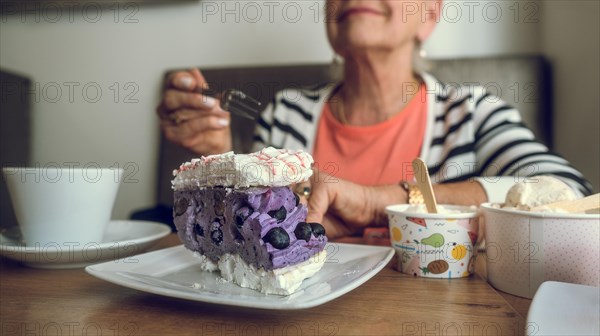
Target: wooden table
(72,302)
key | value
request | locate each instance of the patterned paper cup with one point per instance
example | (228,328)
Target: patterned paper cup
(440,245)
(524,249)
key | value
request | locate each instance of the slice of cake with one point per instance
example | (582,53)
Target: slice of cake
(240,217)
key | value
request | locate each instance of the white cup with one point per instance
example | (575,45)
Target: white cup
(56,205)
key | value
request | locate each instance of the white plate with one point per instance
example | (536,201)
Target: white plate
(122,239)
(174,272)
(560,308)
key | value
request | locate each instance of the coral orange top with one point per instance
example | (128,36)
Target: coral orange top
(372,155)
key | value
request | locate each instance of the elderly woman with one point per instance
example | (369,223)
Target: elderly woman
(364,131)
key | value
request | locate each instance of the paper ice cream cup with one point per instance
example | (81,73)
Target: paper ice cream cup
(524,249)
(441,245)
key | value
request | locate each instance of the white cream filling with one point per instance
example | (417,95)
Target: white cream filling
(281,281)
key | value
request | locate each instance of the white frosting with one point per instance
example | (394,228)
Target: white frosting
(269,167)
(538,191)
(281,281)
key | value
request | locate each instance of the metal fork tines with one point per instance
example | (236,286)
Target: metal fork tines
(237,102)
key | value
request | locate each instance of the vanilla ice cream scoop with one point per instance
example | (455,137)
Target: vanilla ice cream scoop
(538,191)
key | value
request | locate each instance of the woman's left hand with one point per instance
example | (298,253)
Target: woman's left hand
(345,208)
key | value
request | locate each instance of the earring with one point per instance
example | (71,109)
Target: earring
(337,59)
(422,52)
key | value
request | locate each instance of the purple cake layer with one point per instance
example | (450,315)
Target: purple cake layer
(248,222)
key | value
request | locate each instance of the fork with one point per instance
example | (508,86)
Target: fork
(236,102)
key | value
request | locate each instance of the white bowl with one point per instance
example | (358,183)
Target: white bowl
(438,245)
(524,249)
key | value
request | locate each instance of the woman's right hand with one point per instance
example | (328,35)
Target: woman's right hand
(191,120)
(345,208)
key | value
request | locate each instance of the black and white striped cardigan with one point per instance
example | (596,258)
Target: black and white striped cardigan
(469,135)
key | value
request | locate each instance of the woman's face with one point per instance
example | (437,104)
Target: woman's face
(359,25)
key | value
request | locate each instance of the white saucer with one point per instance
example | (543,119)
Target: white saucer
(123,239)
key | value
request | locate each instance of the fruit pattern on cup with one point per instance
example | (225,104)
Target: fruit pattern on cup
(435,247)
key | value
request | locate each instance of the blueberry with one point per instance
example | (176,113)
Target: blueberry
(239,220)
(279,214)
(241,215)
(317,229)
(303,231)
(199,230)
(181,206)
(216,234)
(277,237)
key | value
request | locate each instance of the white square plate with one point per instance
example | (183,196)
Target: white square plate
(174,272)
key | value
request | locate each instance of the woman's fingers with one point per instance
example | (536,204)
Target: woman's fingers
(181,93)
(191,80)
(348,202)
(334,227)
(197,75)
(186,123)
(208,120)
(175,99)
(319,200)
(191,119)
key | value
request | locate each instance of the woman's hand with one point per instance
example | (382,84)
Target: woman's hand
(191,120)
(345,208)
